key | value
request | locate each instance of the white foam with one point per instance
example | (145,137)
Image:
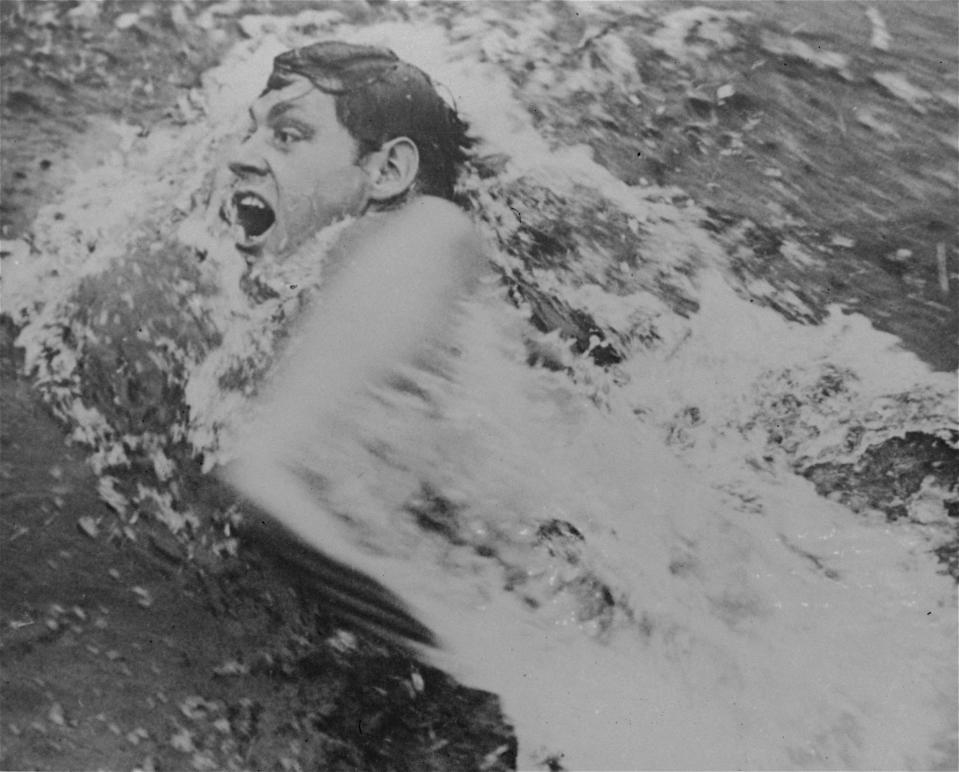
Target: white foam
(757,624)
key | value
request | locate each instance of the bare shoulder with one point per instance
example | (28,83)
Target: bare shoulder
(426,229)
(430,219)
(444,216)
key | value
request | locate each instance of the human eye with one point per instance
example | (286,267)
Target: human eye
(286,134)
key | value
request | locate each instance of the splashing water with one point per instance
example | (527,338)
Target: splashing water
(621,554)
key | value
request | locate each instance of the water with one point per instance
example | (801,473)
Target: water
(627,556)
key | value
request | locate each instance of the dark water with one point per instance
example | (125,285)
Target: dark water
(856,161)
(752,623)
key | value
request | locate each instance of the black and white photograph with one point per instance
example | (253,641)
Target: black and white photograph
(479,385)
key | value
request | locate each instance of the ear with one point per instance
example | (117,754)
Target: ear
(393,168)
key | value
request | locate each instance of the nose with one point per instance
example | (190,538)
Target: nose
(247,161)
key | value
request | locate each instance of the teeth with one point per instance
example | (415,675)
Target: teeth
(251,214)
(251,200)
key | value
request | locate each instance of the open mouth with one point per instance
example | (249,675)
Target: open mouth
(253,214)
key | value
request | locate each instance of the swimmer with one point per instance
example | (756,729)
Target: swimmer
(347,131)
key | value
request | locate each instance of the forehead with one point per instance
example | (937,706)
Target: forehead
(296,96)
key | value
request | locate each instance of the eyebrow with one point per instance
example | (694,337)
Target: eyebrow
(280,108)
(275,112)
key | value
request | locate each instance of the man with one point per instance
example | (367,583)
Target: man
(341,130)
(346,131)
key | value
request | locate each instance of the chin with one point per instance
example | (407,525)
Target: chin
(273,242)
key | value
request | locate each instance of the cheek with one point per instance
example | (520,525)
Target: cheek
(299,190)
(338,189)
(301,182)
(315,189)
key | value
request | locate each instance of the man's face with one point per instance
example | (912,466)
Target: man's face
(295,173)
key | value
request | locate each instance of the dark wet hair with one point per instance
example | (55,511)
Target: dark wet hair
(378,97)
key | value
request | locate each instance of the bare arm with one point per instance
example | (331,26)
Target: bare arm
(401,273)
